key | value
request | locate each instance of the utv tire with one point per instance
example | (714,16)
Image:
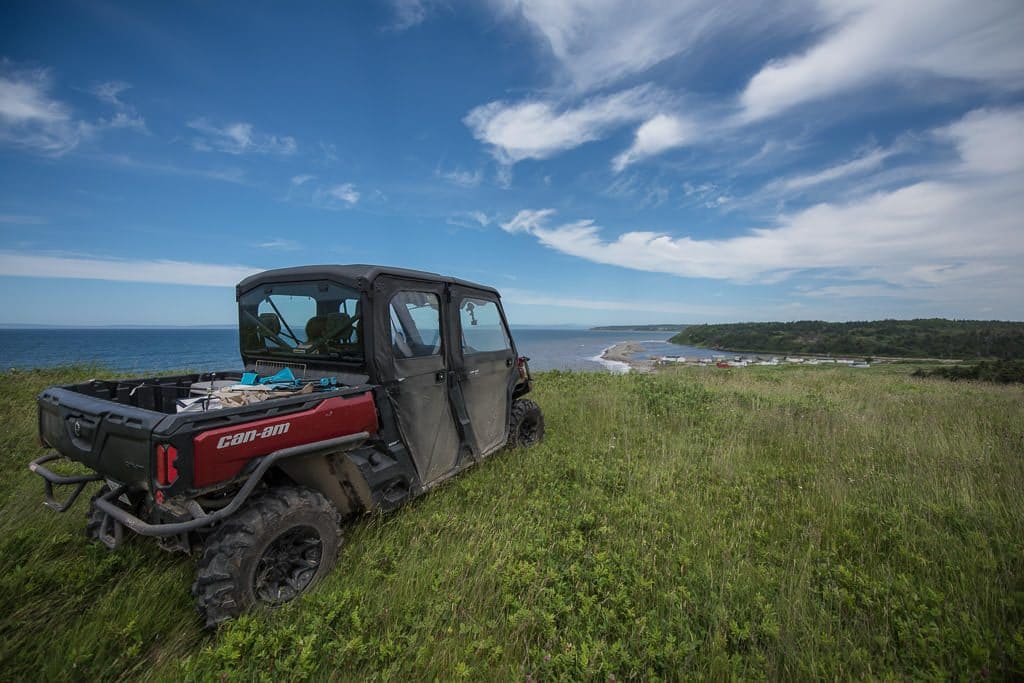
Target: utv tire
(526,426)
(275,548)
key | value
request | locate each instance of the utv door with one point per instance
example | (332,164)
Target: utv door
(416,344)
(486,365)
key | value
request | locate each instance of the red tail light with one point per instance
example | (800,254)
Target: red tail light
(166,471)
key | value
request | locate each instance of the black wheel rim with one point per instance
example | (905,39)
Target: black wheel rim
(529,431)
(288,565)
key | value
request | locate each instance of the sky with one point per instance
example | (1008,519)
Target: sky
(598,162)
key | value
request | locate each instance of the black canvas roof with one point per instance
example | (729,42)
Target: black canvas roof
(358,275)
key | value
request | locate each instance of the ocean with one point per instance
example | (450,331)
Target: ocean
(153,350)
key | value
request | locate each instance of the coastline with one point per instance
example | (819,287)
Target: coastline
(619,358)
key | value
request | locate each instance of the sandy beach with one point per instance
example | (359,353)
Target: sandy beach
(624,352)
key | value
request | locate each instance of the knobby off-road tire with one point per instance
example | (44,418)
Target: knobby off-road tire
(275,548)
(526,426)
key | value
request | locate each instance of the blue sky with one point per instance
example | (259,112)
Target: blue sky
(599,162)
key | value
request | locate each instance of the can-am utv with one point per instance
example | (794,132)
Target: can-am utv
(363,386)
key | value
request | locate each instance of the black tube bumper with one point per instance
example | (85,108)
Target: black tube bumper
(124,518)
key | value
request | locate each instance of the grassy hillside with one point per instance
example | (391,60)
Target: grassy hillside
(926,338)
(775,522)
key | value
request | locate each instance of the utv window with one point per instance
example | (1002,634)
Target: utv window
(296,319)
(415,324)
(482,327)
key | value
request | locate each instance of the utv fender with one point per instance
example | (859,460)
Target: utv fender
(335,476)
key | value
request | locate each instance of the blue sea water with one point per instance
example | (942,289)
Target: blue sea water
(152,350)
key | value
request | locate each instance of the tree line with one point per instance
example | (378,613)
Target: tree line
(921,338)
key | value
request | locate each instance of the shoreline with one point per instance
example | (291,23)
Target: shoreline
(618,358)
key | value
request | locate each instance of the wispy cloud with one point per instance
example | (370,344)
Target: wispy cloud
(912,236)
(408,13)
(871,40)
(600,43)
(18,219)
(299,180)
(476,220)
(125,115)
(538,129)
(526,297)
(24,264)
(658,134)
(340,196)
(467,179)
(280,244)
(864,163)
(31,118)
(239,138)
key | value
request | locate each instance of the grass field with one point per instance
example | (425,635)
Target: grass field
(764,522)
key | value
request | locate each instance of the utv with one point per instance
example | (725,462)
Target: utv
(363,386)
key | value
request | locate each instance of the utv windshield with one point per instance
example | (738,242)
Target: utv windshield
(315,320)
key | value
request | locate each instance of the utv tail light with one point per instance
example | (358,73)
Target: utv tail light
(166,471)
(521,367)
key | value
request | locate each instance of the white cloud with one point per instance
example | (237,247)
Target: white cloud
(239,138)
(525,297)
(536,129)
(658,134)
(462,178)
(408,13)
(868,161)
(470,219)
(600,42)
(302,179)
(125,115)
(341,196)
(31,118)
(280,244)
(989,141)
(19,264)
(932,233)
(871,40)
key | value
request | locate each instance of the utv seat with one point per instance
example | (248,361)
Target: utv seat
(269,327)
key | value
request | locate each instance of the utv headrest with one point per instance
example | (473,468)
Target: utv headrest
(315,327)
(271,322)
(339,327)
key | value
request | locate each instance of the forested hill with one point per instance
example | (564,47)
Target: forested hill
(925,338)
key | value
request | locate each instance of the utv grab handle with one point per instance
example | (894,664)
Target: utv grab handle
(106,503)
(51,479)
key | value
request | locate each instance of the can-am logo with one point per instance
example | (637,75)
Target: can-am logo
(251,435)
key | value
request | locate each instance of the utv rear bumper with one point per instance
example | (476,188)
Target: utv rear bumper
(116,517)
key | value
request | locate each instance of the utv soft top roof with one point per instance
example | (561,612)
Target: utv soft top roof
(358,275)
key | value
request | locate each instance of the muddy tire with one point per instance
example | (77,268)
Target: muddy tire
(275,548)
(526,426)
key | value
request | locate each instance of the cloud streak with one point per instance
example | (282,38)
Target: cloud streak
(162,271)
(913,236)
(239,138)
(537,129)
(871,40)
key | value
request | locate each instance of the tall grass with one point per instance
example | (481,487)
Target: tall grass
(764,522)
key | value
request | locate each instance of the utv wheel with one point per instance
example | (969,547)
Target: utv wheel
(275,548)
(526,426)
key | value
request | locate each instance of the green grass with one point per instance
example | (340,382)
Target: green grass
(765,522)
